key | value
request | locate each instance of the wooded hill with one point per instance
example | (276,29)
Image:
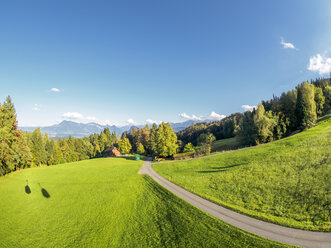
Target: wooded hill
(273,119)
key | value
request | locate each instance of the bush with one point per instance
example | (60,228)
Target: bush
(189,148)
(202,151)
(180,156)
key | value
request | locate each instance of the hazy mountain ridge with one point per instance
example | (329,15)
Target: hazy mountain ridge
(79,130)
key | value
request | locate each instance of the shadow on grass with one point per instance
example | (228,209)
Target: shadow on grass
(27,188)
(44,192)
(220,169)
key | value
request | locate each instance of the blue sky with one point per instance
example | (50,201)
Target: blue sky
(132,61)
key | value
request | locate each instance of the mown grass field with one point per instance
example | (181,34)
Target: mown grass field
(105,203)
(286,182)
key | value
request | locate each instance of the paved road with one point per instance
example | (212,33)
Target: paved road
(265,229)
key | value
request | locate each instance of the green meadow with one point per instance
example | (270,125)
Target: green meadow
(105,203)
(286,182)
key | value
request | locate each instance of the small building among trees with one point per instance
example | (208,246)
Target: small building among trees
(112,152)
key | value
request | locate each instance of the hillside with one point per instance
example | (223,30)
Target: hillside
(105,203)
(287,182)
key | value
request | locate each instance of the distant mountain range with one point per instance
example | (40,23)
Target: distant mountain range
(79,130)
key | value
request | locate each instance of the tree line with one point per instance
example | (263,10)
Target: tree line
(19,150)
(158,141)
(273,119)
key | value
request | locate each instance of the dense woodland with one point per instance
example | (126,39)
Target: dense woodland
(294,110)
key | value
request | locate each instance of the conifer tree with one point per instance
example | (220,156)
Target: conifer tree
(248,131)
(109,139)
(140,149)
(97,151)
(8,126)
(288,108)
(153,140)
(160,141)
(327,95)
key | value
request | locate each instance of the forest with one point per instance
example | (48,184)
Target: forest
(295,110)
(273,119)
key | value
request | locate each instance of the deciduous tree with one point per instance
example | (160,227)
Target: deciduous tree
(306,107)
(188,148)
(124,146)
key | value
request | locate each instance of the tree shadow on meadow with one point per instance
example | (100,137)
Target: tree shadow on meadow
(27,188)
(44,192)
(220,169)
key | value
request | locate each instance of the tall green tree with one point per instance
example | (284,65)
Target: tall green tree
(38,147)
(97,151)
(124,146)
(166,140)
(327,94)
(264,125)
(287,104)
(279,124)
(58,155)
(306,106)
(140,149)
(319,100)
(153,140)
(23,155)
(145,137)
(8,126)
(109,137)
(14,150)
(50,150)
(248,132)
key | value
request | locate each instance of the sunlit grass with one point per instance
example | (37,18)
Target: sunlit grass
(286,182)
(105,203)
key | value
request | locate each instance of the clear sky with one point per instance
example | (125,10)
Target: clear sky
(132,61)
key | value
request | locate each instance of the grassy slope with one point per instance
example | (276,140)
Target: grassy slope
(225,144)
(105,203)
(286,182)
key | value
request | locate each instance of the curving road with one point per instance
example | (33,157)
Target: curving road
(265,229)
